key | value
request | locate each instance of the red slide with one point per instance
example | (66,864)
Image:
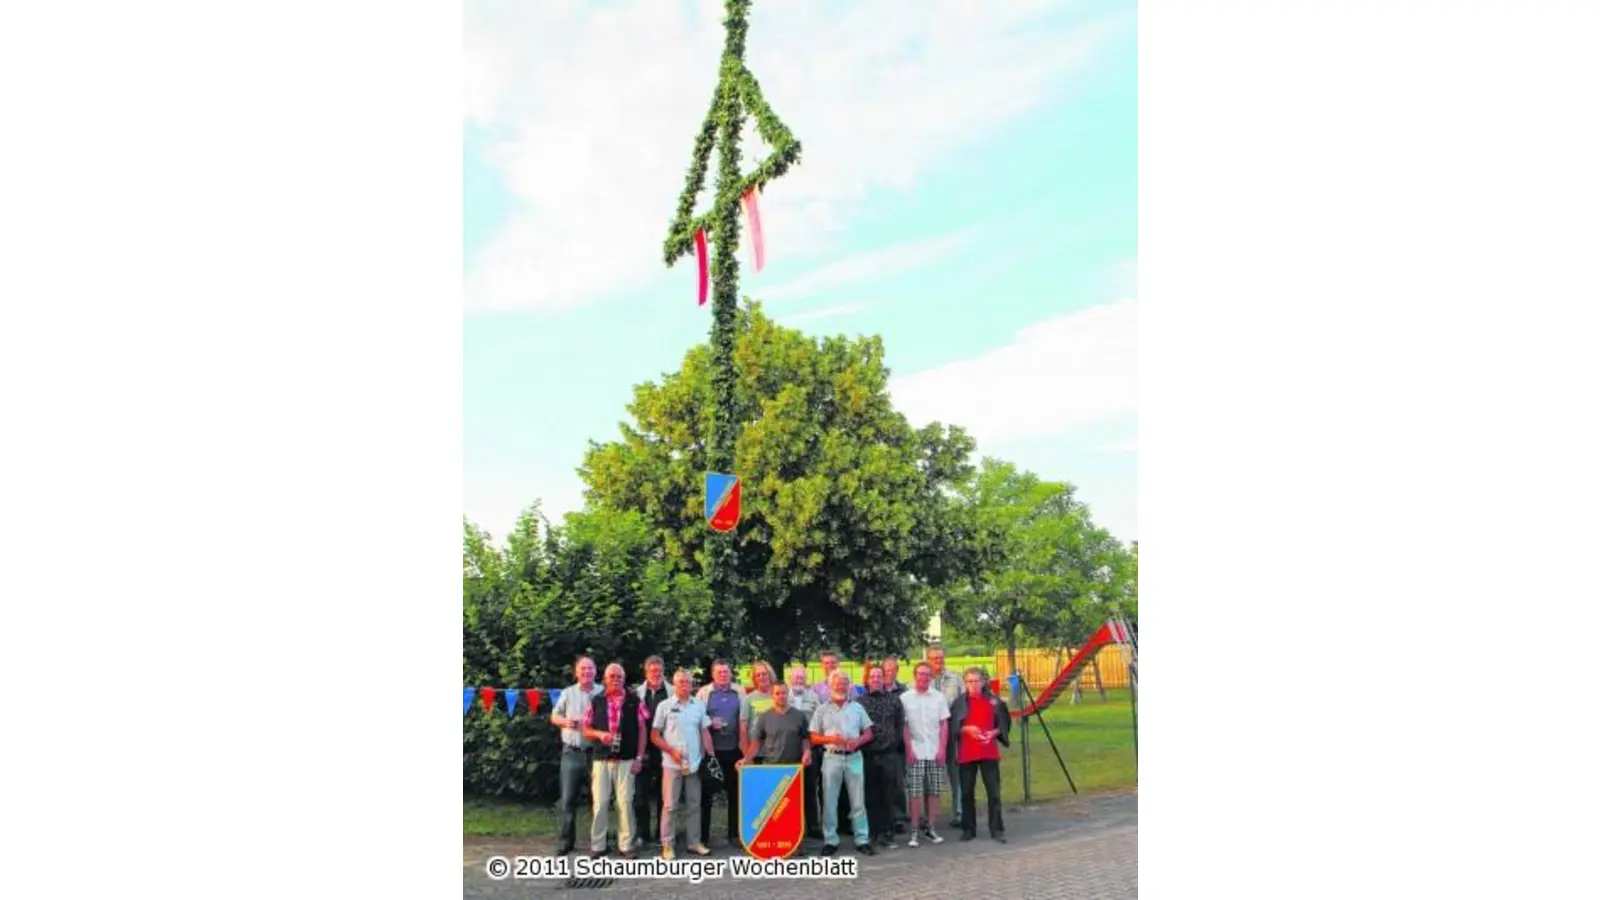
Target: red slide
(1109,633)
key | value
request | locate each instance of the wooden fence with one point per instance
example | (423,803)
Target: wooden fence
(1040,667)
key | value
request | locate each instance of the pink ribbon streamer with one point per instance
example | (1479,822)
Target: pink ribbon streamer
(700,259)
(758,246)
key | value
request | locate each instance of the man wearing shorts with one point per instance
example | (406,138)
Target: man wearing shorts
(927,739)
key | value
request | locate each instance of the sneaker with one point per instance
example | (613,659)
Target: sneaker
(866,849)
(699,849)
(830,849)
(934,837)
(913,841)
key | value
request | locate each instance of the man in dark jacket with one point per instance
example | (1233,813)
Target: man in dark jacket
(983,724)
(617,727)
(885,758)
(647,786)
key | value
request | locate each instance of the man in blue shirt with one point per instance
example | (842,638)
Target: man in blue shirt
(841,727)
(723,699)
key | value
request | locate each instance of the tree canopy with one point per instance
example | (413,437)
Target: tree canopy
(847,518)
(1039,564)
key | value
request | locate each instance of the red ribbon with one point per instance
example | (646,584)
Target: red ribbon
(758,245)
(700,258)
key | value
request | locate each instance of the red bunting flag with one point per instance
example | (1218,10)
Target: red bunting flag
(703,264)
(752,212)
(487,696)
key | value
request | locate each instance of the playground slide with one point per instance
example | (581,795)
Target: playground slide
(1109,633)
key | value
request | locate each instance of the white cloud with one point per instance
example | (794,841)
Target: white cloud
(867,266)
(827,312)
(1058,374)
(1128,446)
(495,496)
(596,111)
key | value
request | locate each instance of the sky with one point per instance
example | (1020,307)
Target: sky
(968,189)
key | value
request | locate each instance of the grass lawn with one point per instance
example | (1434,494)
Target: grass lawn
(1095,739)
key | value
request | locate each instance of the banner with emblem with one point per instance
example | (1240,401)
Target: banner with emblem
(772,810)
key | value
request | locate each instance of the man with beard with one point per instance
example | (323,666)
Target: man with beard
(841,728)
(616,725)
(647,786)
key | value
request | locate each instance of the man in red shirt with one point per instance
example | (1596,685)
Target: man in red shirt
(984,724)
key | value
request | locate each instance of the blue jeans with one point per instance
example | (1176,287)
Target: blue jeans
(837,768)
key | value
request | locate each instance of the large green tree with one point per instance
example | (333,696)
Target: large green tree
(846,522)
(1040,566)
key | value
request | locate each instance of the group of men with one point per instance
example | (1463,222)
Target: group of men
(881,760)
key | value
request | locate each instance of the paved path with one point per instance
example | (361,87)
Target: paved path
(1086,848)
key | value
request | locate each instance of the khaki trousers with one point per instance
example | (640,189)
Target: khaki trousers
(611,781)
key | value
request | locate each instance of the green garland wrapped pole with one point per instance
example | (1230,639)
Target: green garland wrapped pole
(736,96)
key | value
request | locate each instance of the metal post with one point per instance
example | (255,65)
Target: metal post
(1053,748)
(1133,695)
(1027,770)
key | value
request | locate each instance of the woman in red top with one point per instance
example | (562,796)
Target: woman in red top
(985,725)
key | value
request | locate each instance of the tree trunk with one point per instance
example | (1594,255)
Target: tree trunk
(1098,681)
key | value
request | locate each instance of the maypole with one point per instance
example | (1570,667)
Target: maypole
(737,95)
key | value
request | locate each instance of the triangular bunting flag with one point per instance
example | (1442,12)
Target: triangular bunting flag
(466,700)
(488,698)
(511,701)
(555,695)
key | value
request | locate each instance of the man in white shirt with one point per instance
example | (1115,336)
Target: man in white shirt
(927,740)
(682,731)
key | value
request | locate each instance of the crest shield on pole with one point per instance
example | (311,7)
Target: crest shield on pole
(772,809)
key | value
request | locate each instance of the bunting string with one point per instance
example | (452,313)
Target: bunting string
(486,697)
